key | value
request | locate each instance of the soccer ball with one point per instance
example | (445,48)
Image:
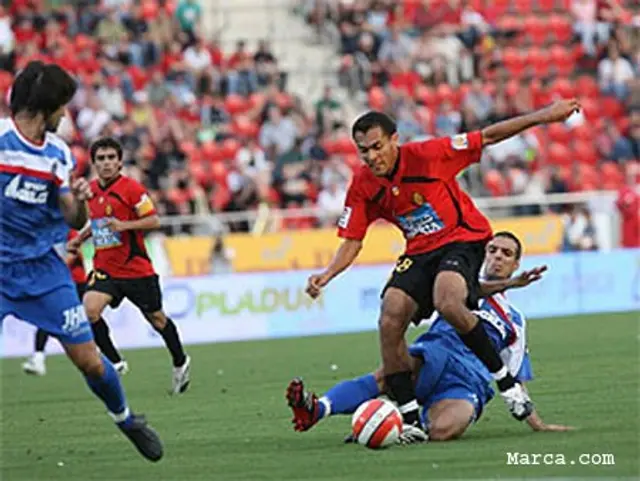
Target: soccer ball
(376,424)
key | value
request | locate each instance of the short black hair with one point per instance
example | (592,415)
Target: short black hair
(372,119)
(106,143)
(514,238)
(41,88)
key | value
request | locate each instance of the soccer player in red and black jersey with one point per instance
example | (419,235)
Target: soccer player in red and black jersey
(120,213)
(36,363)
(414,187)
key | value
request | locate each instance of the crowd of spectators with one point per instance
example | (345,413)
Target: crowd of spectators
(210,130)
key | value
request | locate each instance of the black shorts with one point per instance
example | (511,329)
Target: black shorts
(143,292)
(416,274)
(81,287)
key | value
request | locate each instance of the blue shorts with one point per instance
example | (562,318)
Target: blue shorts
(57,310)
(446,374)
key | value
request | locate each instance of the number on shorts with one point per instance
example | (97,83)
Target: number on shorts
(403,265)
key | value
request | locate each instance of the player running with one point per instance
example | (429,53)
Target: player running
(36,363)
(451,384)
(414,187)
(120,212)
(38,198)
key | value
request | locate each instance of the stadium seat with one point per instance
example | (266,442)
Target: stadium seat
(562,61)
(560,155)
(235,104)
(558,133)
(6,79)
(242,126)
(229,149)
(611,107)
(536,28)
(539,59)
(561,27)
(425,96)
(211,152)
(587,86)
(585,153)
(513,61)
(583,133)
(377,98)
(612,176)
(562,88)
(495,183)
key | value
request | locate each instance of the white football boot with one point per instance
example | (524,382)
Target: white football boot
(35,364)
(518,402)
(181,378)
(121,367)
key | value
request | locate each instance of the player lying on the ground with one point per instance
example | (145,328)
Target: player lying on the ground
(452,385)
(120,211)
(39,200)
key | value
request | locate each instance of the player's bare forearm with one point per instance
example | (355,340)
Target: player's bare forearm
(146,223)
(75,212)
(85,233)
(557,112)
(489,288)
(344,257)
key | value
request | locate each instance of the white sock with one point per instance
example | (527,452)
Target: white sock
(39,356)
(327,406)
(118,418)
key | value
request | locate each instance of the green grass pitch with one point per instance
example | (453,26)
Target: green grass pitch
(234,425)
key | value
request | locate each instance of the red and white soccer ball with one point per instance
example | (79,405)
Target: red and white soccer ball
(376,424)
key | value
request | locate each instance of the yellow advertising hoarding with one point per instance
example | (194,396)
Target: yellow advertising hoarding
(313,249)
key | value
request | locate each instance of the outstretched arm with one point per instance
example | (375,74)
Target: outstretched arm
(489,288)
(344,257)
(557,112)
(537,424)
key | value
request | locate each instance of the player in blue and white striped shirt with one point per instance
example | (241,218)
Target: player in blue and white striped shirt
(38,201)
(452,385)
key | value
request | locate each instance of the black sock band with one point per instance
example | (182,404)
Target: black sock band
(401,390)
(172,340)
(41,340)
(478,341)
(102,337)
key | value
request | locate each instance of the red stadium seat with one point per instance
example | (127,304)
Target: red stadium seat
(244,127)
(562,60)
(445,93)
(611,107)
(426,96)
(583,133)
(612,176)
(211,152)
(587,86)
(6,80)
(344,145)
(560,155)
(558,133)
(562,88)
(585,153)
(561,27)
(536,28)
(494,183)
(539,59)
(513,61)
(377,98)
(235,104)
(352,161)
(547,5)
(591,109)
(229,149)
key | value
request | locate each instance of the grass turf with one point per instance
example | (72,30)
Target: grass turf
(233,423)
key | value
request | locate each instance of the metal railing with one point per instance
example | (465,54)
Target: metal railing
(261,220)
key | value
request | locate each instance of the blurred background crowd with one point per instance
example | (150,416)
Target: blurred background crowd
(211,130)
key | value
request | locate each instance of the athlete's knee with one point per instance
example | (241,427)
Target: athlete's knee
(450,293)
(444,428)
(396,313)
(93,307)
(157,319)
(88,361)
(379,377)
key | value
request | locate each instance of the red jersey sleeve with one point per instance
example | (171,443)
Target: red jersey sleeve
(448,156)
(357,215)
(140,200)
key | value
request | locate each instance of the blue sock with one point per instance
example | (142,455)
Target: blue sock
(345,397)
(109,390)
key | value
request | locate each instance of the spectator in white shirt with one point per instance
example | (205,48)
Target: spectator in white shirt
(615,73)
(278,133)
(93,118)
(197,57)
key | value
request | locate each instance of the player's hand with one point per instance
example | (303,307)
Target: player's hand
(560,110)
(73,246)
(528,277)
(556,428)
(116,225)
(81,189)
(315,283)
(412,435)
